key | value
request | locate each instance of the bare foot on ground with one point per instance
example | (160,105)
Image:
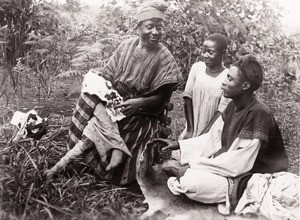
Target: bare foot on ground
(116,159)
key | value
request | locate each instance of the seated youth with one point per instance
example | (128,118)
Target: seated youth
(245,140)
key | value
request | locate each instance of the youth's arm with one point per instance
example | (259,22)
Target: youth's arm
(188,110)
(188,102)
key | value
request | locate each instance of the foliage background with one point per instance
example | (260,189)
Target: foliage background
(46,47)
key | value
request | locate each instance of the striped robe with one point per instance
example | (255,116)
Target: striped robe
(132,77)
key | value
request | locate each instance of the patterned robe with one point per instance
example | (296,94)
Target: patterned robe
(132,77)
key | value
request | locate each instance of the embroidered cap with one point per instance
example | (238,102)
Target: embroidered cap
(152,9)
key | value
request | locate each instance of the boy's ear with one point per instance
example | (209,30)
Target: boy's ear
(246,85)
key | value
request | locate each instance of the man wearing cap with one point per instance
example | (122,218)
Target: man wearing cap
(144,73)
(245,140)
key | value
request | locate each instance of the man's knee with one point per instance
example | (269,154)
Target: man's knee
(204,187)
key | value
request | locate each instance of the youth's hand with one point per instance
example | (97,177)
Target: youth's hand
(130,106)
(168,144)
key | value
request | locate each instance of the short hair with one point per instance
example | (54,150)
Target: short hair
(220,40)
(251,70)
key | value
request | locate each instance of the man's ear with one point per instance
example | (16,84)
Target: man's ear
(246,85)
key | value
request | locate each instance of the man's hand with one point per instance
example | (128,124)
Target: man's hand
(168,144)
(130,106)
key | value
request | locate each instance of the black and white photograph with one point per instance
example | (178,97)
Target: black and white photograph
(149,109)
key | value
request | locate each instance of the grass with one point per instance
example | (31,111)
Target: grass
(76,193)
(73,194)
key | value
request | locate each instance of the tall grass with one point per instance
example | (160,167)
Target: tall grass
(73,194)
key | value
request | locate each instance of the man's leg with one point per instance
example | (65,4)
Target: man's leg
(203,186)
(116,159)
(104,132)
(72,154)
(172,167)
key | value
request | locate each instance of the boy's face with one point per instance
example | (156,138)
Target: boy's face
(212,56)
(233,85)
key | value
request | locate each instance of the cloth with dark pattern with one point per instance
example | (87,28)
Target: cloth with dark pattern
(132,77)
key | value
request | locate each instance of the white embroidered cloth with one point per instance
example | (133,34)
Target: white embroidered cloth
(95,84)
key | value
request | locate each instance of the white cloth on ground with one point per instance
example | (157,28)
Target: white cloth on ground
(22,120)
(274,196)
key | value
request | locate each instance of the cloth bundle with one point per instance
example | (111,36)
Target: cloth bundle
(274,196)
(30,124)
(95,84)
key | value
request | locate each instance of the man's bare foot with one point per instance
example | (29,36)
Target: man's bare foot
(171,167)
(116,159)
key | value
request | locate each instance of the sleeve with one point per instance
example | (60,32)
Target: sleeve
(168,70)
(237,160)
(188,91)
(202,146)
(257,125)
(223,104)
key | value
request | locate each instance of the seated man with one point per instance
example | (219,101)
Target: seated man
(249,142)
(144,72)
